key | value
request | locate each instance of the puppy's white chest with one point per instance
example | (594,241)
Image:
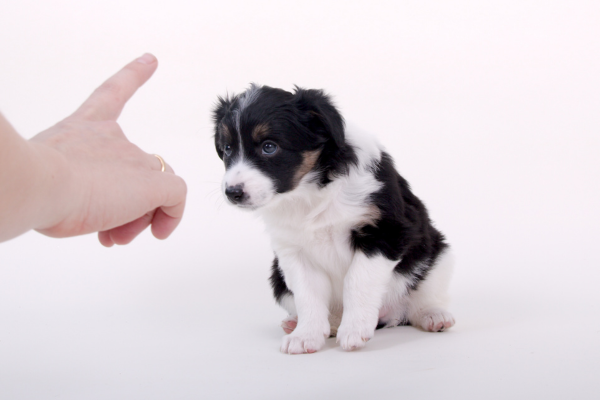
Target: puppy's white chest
(325,246)
(315,224)
(330,250)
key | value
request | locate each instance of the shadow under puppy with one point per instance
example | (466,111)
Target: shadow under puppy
(354,247)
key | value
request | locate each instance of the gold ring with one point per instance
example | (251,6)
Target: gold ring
(162,162)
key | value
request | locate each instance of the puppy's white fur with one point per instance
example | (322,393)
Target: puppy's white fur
(336,289)
(257,185)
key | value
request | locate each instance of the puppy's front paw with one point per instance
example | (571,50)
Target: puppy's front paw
(354,336)
(436,320)
(303,341)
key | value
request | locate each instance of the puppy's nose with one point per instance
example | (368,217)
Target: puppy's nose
(235,194)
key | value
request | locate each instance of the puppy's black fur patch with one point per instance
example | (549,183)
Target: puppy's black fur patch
(307,121)
(280,289)
(404,230)
(300,122)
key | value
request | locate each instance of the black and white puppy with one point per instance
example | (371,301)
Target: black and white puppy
(354,247)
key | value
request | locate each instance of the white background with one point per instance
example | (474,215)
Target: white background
(491,110)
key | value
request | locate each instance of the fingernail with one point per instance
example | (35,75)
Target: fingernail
(146,59)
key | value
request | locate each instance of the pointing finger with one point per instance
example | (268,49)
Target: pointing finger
(108,100)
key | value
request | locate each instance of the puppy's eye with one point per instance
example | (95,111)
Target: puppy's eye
(269,148)
(227,150)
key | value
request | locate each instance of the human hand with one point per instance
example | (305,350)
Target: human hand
(101,181)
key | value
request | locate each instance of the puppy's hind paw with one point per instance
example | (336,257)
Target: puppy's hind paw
(436,320)
(289,324)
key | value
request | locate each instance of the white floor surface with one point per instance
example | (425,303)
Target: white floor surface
(492,112)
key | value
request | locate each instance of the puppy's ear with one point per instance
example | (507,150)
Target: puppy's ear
(223,105)
(322,117)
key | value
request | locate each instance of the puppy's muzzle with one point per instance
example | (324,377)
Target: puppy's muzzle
(235,194)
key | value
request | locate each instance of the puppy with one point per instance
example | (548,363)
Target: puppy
(355,249)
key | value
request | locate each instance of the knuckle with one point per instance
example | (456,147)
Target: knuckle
(182,185)
(111,126)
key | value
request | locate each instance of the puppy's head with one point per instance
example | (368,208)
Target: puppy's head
(269,139)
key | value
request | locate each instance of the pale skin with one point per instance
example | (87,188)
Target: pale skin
(82,175)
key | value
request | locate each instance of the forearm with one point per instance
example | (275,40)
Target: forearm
(33,184)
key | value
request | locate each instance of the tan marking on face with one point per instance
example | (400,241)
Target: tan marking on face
(260,132)
(309,160)
(225,132)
